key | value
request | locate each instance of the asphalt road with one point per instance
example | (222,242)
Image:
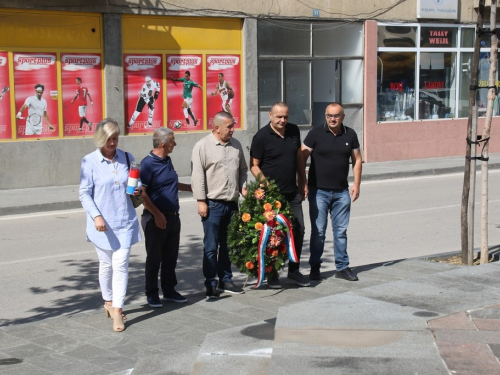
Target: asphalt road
(47,269)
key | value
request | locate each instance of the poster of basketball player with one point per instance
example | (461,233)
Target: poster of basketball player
(143,99)
(81,92)
(35,83)
(185,92)
(5,95)
(223,87)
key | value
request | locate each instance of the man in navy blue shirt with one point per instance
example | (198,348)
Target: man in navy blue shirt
(331,146)
(160,219)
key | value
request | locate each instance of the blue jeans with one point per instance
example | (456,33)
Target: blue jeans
(215,240)
(338,203)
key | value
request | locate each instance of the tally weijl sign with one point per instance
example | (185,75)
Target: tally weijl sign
(437,9)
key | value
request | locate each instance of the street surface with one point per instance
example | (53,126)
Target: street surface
(47,269)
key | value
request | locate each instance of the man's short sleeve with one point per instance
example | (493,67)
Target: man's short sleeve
(309,140)
(355,141)
(146,172)
(257,148)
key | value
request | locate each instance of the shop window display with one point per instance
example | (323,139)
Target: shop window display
(396,90)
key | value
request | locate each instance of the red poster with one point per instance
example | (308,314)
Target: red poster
(223,87)
(81,93)
(35,83)
(143,98)
(5,95)
(185,92)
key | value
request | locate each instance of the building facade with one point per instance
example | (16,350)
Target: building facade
(400,68)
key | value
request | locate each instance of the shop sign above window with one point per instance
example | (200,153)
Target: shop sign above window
(437,9)
(438,37)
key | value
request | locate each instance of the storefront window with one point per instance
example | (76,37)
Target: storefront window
(397,36)
(284,38)
(335,40)
(396,86)
(298,91)
(468,37)
(269,82)
(437,85)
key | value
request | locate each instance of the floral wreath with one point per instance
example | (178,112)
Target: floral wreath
(260,235)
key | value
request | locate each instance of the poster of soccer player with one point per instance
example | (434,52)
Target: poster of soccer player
(81,92)
(185,92)
(143,99)
(35,83)
(5,95)
(223,87)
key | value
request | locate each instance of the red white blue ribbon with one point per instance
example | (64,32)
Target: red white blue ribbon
(290,244)
(264,237)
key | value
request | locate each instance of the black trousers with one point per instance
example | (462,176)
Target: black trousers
(162,249)
(295,202)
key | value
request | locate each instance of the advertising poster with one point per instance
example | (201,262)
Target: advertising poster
(223,87)
(185,92)
(81,92)
(36,104)
(5,95)
(143,98)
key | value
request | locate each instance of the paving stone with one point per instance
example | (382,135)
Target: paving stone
(350,311)
(495,348)
(473,337)
(459,320)
(469,359)
(485,313)
(131,348)
(26,351)
(63,364)
(29,331)
(7,340)
(58,343)
(178,364)
(100,357)
(487,324)
(341,365)
(23,369)
(243,365)
(495,306)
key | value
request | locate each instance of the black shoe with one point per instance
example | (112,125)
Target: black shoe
(347,274)
(274,282)
(212,292)
(229,287)
(298,278)
(154,301)
(174,297)
(315,274)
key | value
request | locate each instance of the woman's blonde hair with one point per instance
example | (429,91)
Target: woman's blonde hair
(104,130)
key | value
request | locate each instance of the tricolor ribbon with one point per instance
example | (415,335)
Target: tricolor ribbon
(264,238)
(290,244)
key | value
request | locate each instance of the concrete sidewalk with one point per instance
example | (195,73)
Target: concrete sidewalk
(21,201)
(402,317)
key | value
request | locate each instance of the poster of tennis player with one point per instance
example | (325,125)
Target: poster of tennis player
(223,87)
(143,100)
(35,82)
(81,93)
(185,92)
(5,95)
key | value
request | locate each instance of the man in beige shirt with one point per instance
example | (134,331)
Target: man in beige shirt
(219,174)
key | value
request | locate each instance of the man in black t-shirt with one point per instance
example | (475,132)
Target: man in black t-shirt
(274,154)
(331,147)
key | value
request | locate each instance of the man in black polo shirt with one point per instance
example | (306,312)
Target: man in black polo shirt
(274,154)
(160,219)
(331,146)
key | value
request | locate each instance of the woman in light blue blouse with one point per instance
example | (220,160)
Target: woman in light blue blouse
(112,224)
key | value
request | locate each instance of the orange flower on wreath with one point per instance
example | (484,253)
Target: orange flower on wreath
(277,204)
(269,215)
(275,253)
(258,225)
(249,265)
(259,194)
(246,217)
(268,207)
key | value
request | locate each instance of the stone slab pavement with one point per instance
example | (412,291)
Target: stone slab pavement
(402,317)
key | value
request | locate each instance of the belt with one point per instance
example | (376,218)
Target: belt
(172,213)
